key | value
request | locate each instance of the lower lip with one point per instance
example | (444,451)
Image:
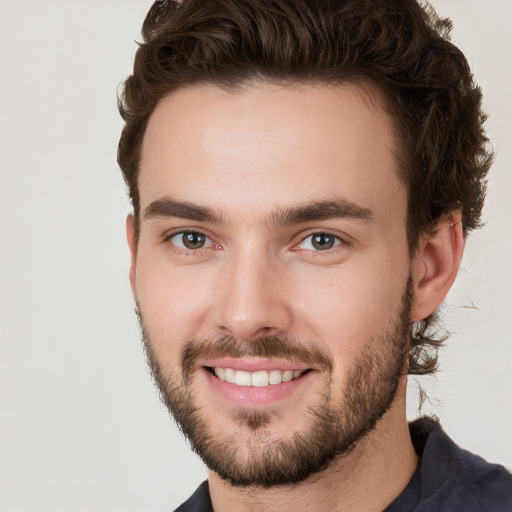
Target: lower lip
(249,396)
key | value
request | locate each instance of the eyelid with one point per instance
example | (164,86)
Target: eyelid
(168,235)
(340,238)
(178,231)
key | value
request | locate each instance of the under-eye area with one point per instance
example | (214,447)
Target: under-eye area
(259,378)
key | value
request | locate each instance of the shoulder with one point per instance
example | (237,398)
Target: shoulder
(455,479)
(198,502)
(485,486)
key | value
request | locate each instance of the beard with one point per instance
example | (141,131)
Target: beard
(252,456)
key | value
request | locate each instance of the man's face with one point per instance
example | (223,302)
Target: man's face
(273,247)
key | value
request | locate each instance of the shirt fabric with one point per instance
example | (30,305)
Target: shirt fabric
(447,478)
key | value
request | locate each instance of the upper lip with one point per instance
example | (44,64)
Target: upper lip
(254,364)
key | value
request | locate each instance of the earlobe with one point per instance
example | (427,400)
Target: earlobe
(132,244)
(436,264)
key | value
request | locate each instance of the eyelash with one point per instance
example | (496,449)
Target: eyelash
(191,252)
(186,251)
(338,241)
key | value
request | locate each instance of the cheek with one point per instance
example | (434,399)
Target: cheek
(174,301)
(343,308)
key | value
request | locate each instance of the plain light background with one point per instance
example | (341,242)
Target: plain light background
(81,428)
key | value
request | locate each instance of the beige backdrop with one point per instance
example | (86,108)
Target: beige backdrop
(81,428)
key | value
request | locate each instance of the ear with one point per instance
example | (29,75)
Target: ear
(132,244)
(435,265)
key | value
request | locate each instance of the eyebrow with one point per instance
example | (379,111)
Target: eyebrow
(167,207)
(339,208)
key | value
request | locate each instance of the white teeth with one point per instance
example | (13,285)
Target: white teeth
(258,379)
(229,375)
(287,376)
(242,378)
(275,377)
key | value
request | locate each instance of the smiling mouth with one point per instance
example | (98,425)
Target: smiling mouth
(259,379)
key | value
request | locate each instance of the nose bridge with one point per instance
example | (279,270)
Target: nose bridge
(251,303)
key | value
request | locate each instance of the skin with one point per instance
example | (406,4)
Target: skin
(245,155)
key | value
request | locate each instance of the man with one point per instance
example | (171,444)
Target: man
(303,175)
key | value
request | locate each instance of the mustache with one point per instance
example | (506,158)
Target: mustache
(269,347)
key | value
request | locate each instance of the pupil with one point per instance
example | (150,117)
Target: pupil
(323,242)
(193,240)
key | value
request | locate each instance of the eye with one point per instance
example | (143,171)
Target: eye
(190,240)
(320,242)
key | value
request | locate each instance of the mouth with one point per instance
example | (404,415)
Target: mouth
(256,383)
(257,379)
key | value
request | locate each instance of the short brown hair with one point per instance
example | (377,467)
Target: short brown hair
(397,45)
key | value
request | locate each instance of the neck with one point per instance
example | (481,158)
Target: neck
(368,479)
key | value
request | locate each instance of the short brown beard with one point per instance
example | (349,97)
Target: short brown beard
(332,430)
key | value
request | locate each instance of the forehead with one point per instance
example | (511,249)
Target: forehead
(247,151)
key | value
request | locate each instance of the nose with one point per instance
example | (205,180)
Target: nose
(252,298)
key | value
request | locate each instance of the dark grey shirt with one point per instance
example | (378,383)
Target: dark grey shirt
(448,478)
